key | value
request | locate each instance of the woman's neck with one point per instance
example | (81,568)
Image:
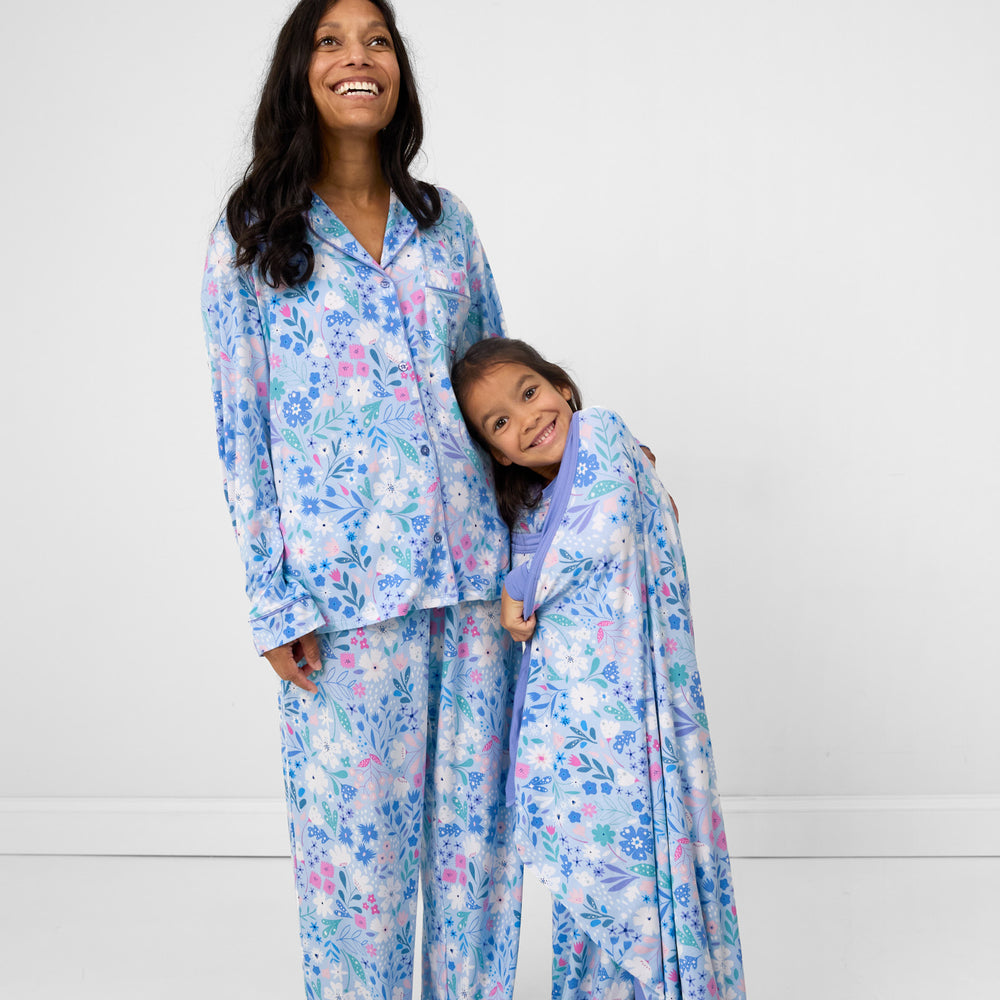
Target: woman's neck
(352,173)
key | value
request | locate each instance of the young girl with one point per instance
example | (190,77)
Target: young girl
(612,775)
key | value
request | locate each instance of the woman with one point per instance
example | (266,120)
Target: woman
(337,291)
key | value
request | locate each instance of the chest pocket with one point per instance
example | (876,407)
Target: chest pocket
(448,310)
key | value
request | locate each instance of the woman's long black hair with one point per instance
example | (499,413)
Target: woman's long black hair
(266,213)
(518,489)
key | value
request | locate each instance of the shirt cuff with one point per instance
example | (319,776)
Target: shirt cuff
(294,620)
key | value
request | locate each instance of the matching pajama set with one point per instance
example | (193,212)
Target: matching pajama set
(364,512)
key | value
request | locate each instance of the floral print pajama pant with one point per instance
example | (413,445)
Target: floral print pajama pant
(397,767)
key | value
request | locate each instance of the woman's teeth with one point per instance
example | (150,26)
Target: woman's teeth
(356,87)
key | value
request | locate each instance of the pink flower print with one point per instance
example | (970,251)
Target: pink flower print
(716,820)
(578,947)
(671,645)
(418,419)
(275,361)
(450,875)
(421,317)
(521,769)
(476,677)
(285,311)
(470,563)
(713,988)
(345,369)
(327,869)
(360,920)
(402,609)
(461,860)
(329,888)
(574,761)
(466,541)
(721,842)
(335,575)
(363,369)
(261,389)
(463,649)
(347,661)
(213,288)
(371,949)
(456,553)
(463,878)
(356,351)
(359,690)
(405,308)
(655,772)
(589,810)
(314,880)
(402,394)
(418,297)
(458,277)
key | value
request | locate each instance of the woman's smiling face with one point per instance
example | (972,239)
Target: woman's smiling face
(353,73)
(522,416)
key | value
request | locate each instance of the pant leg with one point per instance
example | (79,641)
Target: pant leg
(354,759)
(471,870)
(581,970)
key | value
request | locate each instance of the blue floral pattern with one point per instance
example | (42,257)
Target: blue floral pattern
(617,805)
(354,489)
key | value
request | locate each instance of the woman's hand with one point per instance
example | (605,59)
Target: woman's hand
(512,618)
(296,660)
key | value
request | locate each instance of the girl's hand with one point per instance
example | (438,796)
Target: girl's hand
(296,660)
(512,618)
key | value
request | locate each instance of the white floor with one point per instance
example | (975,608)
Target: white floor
(199,928)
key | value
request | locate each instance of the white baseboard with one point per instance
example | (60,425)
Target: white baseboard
(757,826)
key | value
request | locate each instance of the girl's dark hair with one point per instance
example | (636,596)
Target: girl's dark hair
(518,489)
(266,213)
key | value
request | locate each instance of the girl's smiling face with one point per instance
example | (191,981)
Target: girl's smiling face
(523,418)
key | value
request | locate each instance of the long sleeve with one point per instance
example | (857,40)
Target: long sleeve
(281,608)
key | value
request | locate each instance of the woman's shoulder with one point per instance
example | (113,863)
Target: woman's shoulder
(454,211)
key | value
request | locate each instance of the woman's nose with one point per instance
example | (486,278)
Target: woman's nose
(357,53)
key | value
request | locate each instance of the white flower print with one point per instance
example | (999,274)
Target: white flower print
(583,698)
(380,526)
(368,333)
(393,491)
(334,301)
(359,391)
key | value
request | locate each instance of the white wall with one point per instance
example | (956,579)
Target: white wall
(766,233)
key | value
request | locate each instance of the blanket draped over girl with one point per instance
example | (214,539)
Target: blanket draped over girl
(613,777)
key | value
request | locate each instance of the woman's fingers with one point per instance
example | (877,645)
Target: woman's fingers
(296,660)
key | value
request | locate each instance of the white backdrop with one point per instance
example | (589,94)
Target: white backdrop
(766,233)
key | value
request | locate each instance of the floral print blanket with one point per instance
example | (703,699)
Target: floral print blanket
(613,777)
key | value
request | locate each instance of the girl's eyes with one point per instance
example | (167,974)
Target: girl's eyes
(530,391)
(500,422)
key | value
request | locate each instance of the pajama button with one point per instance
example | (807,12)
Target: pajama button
(385,283)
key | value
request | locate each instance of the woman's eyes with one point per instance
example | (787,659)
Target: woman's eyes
(379,41)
